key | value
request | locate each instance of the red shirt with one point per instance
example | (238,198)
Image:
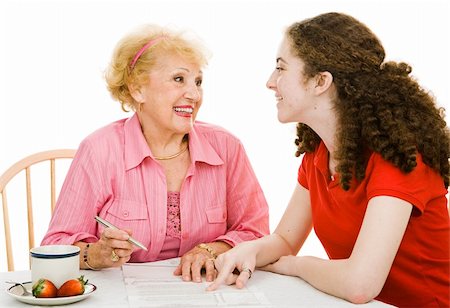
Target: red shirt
(419,275)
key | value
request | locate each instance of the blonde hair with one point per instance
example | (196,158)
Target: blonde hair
(119,75)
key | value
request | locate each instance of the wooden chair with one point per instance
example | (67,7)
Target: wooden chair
(14,170)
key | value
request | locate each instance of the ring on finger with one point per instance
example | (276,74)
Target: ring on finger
(249,271)
(114,256)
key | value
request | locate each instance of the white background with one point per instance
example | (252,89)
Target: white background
(53,54)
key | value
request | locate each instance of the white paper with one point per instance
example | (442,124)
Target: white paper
(154,285)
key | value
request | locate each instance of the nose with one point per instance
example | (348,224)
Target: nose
(193,93)
(271,82)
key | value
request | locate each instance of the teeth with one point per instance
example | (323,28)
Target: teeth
(187,110)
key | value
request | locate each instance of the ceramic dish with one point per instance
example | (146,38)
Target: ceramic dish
(17,291)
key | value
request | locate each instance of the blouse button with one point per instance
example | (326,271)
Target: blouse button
(185,236)
(125,213)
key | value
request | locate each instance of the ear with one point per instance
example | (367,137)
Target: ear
(137,92)
(324,80)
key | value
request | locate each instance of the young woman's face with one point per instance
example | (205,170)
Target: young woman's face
(293,91)
(173,94)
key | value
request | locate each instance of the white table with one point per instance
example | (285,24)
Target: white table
(281,291)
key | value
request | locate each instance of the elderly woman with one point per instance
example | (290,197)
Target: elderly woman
(179,186)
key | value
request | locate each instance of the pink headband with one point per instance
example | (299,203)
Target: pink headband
(143,49)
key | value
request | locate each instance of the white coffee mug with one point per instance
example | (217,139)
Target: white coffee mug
(57,263)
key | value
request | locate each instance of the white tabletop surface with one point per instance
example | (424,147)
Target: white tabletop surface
(281,291)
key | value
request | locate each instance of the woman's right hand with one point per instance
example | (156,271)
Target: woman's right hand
(235,266)
(112,243)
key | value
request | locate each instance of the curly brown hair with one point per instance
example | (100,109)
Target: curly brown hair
(380,107)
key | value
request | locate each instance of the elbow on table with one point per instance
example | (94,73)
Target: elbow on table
(362,292)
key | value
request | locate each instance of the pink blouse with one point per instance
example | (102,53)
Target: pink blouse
(115,176)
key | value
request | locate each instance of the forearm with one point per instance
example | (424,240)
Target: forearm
(270,248)
(334,277)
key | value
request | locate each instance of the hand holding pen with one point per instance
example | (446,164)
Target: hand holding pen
(113,249)
(107,224)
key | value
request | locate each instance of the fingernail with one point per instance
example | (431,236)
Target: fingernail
(186,278)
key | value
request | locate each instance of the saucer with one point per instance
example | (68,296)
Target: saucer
(17,291)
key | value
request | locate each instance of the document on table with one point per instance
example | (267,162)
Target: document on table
(154,285)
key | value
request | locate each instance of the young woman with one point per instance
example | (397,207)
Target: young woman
(372,181)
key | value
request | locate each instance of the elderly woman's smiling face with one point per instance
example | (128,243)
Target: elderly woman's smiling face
(172,96)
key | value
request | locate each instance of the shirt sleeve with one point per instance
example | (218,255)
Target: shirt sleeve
(302,178)
(73,218)
(247,209)
(417,187)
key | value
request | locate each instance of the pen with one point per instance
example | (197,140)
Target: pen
(110,225)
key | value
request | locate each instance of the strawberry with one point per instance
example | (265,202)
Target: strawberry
(44,288)
(72,287)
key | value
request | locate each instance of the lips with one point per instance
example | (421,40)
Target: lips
(184,111)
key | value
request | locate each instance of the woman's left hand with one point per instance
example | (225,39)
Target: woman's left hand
(286,265)
(196,259)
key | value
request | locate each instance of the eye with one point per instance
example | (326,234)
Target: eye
(198,82)
(178,79)
(279,68)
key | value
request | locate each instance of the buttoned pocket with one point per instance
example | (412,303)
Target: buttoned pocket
(130,215)
(128,210)
(217,215)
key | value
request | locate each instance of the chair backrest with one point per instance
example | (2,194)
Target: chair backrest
(14,170)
